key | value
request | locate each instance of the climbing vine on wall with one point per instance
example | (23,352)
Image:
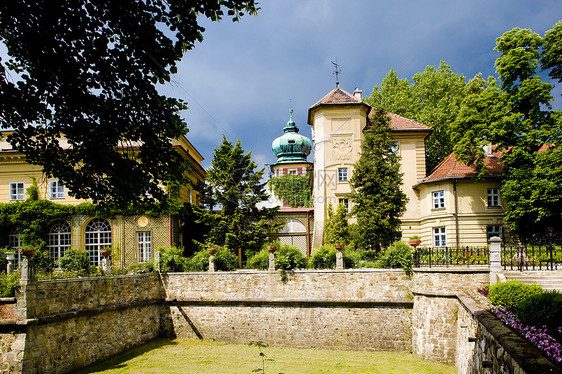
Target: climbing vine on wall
(295,190)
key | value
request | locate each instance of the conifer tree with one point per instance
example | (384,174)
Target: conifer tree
(234,188)
(376,181)
(336,229)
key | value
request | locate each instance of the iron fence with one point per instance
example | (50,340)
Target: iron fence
(531,257)
(451,256)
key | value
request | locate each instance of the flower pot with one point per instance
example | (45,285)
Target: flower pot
(106,253)
(271,248)
(212,251)
(339,246)
(414,242)
(28,252)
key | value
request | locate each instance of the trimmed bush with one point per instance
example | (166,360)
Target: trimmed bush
(171,260)
(397,256)
(260,261)
(323,258)
(43,262)
(509,294)
(224,260)
(75,260)
(541,309)
(288,257)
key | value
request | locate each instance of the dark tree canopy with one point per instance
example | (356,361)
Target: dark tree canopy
(433,99)
(517,116)
(86,71)
(376,186)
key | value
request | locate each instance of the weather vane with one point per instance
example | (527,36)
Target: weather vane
(337,71)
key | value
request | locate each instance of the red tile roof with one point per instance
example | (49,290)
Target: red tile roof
(452,168)
(399,123)
(337,96)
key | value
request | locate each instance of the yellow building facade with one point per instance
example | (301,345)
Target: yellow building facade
(133,239)
(446,208)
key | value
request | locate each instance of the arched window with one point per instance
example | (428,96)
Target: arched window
(58,240)
(96,237)
(293,226)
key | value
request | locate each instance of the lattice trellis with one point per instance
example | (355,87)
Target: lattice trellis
(160,236)
(298,241)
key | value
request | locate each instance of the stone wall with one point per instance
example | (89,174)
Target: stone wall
(354,309)
(484,344)
(63,325)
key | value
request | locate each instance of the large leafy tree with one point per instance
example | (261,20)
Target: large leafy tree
(79,89)
(433,98)
(517,116)
(232,193)
(376,186)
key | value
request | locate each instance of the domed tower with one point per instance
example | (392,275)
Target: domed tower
(291,150)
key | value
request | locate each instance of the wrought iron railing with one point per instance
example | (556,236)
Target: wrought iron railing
(451,256)
(545,257)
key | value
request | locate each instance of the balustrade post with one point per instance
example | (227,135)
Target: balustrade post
(496,270)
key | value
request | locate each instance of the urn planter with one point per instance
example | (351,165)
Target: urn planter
(28,252)
(271,248)
(105,253)
(212,251)
(339,246)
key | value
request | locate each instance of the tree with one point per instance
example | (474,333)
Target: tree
(79,89)
(433,99)
(336,228)
(376,186)
(518,118)
(234,187)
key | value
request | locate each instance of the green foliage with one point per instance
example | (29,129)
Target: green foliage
(42,261)
(108,57)
(32,191)
(224,260)
(517,116)
(336,228)
(3,261)
(434,99)
(295,190)
(509,294)
(171,260)
(75,260)
(376,186)
(9,283)
(199,261)
(398,256)
(146,267)
(287,257)
(541,309)
(323,257)
(233,184)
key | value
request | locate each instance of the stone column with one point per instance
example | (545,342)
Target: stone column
(496,270)
(25,298)
(211,264)
(271,261)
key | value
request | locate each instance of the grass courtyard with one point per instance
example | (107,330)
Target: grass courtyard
(193,356)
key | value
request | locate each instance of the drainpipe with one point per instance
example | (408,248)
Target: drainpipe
(456,212)
(308,232)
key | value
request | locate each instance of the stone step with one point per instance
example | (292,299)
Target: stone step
(548,280)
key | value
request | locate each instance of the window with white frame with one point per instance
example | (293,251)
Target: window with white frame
(342,174)
(493,197)
(438,199)
(96,237)
(56,189)
(293,172)
(493,230)
(17,191)
(144,246)
(439,237)
(58,240)
(345,202)
(14,242)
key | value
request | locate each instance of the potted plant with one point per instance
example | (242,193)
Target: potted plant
(28,252)
(339,246)
(414,241)
(212,250)
(271,248)
(106,252)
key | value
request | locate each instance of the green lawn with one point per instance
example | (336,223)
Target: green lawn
(193,356)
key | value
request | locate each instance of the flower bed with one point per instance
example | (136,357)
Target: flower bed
(537,336)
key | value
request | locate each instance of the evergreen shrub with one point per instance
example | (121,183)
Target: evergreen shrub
(397,256)
(224,260)
(43,262)
(509,294)
(171,260)
(259,261)
(323,258)
(288,257)
(542,309)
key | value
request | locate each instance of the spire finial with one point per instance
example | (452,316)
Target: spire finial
(337,71)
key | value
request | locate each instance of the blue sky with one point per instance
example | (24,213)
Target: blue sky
(243,78)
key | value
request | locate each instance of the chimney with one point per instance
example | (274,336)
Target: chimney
(357,93)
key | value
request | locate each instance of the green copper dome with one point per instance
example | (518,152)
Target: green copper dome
(291,147)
